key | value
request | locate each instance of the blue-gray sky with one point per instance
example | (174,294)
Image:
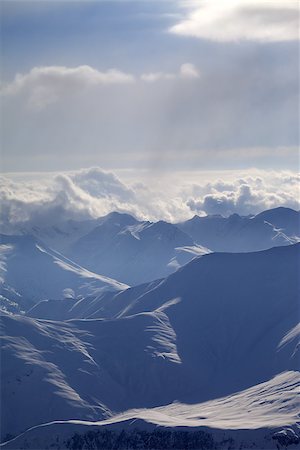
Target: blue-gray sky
(149,85)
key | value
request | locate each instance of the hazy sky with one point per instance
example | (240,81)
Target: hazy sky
(155,85)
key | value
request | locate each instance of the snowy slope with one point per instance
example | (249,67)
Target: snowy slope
(231,310)
(81,369)
(280,226)
(218,322)
(263,413)
(285,219)
(58,236)
(192,337)
(134,252)
(105,304)
(31,272)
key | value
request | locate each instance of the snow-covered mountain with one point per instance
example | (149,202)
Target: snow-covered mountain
(285,219)
(81,369)
(222,324)
(31,272)
(275,227)
(134,252)
(118,245)
(59,236)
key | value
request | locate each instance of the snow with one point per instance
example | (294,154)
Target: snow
(134,252)
(193,337)
(290,337)
(279,226)
(212,345)
(286,219)
(79,369)
(260,409)
(268,405)
(36,272)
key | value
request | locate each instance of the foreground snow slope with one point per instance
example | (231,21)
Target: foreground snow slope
(253,417)
(36,272)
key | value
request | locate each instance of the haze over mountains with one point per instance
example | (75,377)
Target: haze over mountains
(133,252)
(206,323)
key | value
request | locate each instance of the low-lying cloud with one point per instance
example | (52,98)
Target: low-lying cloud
(90,193)
(247,196)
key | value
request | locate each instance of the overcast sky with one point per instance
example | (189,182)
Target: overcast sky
(160,108)
(149,84)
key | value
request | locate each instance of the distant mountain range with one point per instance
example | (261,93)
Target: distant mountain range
(275,227)
(133,252)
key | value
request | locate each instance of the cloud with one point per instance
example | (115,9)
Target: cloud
(189,71)
(101,184)
(79,195)
(152,77)
(186,71)
(236,115)
(91,193)
(246,195)
(235,20)
(45,85)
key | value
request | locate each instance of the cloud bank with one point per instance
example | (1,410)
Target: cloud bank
(49,84)
(45,85)
(235,20)
(91,193)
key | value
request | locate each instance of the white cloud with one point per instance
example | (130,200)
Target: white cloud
(152,77)
(74,195)
(45,85)
(189,71)
(100,184)
(247,195)
(234,20)
(93,192)
(186,71)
